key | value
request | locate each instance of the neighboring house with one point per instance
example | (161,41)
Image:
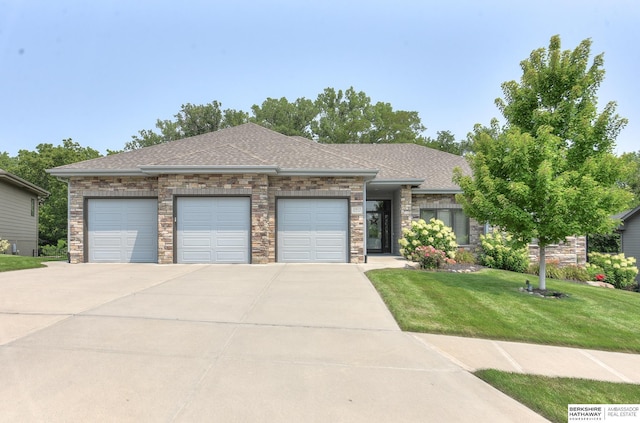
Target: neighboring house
(19,203)
(630,234)
(251,195)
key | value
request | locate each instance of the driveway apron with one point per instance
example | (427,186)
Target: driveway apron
(227,343)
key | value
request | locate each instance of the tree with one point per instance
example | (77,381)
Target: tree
(334,117)
(31,166)
(191,120)
(550,173)
(446,141)
(349,117)
(631,180)
(287,118)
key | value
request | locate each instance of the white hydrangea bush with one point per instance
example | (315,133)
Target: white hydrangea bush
(421,234)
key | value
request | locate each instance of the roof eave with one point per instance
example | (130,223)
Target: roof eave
(436,191)
(368,174)
(208,170)
(395,182)
(67,173)
(19,182)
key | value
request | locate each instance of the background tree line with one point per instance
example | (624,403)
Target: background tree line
(334,117)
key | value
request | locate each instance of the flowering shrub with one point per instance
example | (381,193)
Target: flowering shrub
(431,258)
(4,245)
(616,269)
(499,251)
(435,234)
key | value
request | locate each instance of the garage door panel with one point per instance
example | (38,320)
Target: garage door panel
(213,229)
(312,230)
(122,230)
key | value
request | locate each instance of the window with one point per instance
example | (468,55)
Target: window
(33,207)
(454,218)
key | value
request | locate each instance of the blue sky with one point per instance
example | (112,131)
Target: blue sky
(100,71)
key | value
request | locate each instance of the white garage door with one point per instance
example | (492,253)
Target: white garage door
(213,229)
(313,230)
(123,230)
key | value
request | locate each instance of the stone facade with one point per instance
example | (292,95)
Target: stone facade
(572,252)
(263,191)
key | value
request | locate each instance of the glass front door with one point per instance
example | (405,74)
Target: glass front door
(378,226)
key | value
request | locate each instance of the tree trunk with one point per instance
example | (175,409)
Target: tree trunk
(542,278)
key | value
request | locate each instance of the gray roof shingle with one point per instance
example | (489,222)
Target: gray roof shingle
(254,145)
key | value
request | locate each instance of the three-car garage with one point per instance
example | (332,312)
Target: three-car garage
(216,229)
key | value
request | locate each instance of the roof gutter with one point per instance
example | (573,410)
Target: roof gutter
(66,173)
(395,182)
(367,174)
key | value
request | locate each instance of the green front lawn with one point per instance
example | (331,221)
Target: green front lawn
(8,262)
(550,396)
(487,304)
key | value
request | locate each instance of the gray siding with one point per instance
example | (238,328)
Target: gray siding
(16,223)
(631,238)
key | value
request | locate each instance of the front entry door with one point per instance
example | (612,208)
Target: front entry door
(378,226)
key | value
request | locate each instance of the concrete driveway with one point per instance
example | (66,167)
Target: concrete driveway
(236,343)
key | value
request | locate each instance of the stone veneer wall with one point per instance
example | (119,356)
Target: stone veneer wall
(262,190)
(572,252)
(250,185)
(329,187)
(446,201)
(100,187)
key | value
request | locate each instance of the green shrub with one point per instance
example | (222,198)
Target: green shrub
(435,234)
(500,251)
(4,245)
(572,272)
(465,256)
(431,258)
(619,271)
(55,250)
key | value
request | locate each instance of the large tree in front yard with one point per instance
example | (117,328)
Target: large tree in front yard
(550,172)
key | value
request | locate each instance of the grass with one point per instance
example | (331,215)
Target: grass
(550,396)
(8,262)
(488,304)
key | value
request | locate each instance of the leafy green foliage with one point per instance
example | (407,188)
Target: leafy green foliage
(554,271)
(58,250)
(285,117)
(631,178)
(551,172)
(191,120)
(446,141)
(334,117)
(501,251)
(431,258)
(604,243)
(620,271)
(465,257)
(435,234)
(32,165)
